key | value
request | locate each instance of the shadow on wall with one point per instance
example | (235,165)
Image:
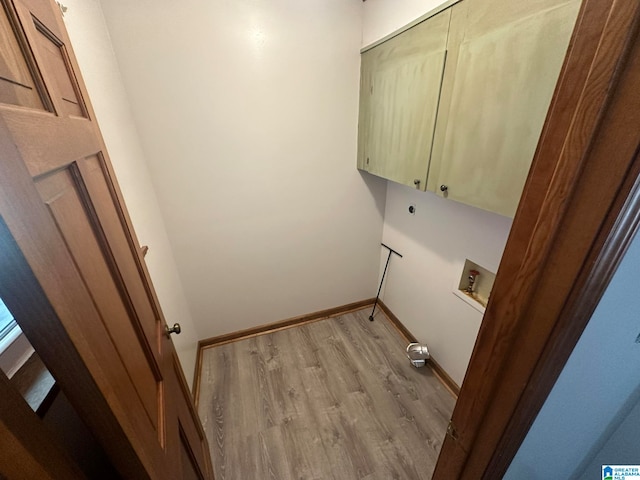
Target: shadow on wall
(618,445)
(378,188)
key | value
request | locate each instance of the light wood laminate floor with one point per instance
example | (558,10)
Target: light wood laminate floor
(334,399)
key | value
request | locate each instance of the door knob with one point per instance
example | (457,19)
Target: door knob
(175,329)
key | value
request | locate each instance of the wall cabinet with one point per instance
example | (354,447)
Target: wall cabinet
(503,58)
(399,93)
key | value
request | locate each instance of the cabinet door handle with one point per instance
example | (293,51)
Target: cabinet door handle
(443,188)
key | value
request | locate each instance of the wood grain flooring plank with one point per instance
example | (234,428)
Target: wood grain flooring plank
(383,383)
(272,388)
(273,459)
(341,372)
(341,463)
(218,389)
(320,410)
(299,442)
(306,346)
(267,347)
(254,392)
(335,399)
(321,404)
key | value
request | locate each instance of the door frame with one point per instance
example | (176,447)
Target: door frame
(579,211)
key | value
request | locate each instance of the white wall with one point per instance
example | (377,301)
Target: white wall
(435,242)
(382,17)
(91,43)
(596,390)
(247,113)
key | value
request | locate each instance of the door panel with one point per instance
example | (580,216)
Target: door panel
(62,205)
(399,94)
(195,459)
(504,80)
(55,61)
(43,31)
(403,108)
(70,209)
(17,86)
(99,189)
(189,465)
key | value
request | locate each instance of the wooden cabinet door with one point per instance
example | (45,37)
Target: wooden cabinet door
(400,89)
(498,88)
(62,206)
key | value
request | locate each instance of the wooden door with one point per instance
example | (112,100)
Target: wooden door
(64,210)
(498,90)
(400,90)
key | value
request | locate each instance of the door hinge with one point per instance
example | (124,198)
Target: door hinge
(452,431)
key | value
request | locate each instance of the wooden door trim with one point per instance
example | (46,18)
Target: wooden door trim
(577,214)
